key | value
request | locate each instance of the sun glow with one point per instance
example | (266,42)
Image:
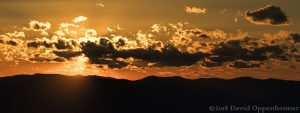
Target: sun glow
(79,65)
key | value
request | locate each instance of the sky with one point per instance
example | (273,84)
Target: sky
(132,39)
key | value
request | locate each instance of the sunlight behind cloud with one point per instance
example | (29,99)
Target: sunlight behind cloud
(79,66)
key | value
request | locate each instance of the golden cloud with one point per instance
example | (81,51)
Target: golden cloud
(196,10)
(41,27)
(184,46)
(80,19)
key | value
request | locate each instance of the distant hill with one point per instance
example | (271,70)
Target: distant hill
(45,93)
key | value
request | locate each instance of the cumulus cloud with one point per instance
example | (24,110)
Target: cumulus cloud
(41,27)
(68,30)
(11,40)
(196,10)
(40,42)
(268,15)
(16,34)
(158,28)
(168,56)
(239,51)
(184,46)
(252,49)
(90,33)
(248,50)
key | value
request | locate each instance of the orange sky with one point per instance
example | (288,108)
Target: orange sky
(193,27)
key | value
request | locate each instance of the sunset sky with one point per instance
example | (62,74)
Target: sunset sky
(132,39)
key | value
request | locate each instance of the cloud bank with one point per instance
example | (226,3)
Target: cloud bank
(185,46)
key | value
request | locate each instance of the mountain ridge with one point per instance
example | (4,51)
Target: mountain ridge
(152,77)
(53,93)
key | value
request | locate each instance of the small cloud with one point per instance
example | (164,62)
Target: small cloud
(109,29)
(80,19)
(157,28)
(236,19)
(39,27)
(100,5)
(16,34)
(268,15)
(67,29)
(90,33)
(195,10)
(114,28)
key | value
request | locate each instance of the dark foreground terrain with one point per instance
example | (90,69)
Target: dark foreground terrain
(93,94)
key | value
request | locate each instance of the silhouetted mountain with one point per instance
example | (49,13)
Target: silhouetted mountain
(41,93)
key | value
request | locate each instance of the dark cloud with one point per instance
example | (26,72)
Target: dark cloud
(229,50)
(201,33)
(185,47)
(236,49)
(251,49)
(168,56)
(62,44)
(67,54)
(268,15)
(36,44)
(239,52)
(111,63)
(297,58)
(273,51)
(33,44)
(94,50)
(295,37)
(59,59)
(40,59)
(106,53)
(11,42)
